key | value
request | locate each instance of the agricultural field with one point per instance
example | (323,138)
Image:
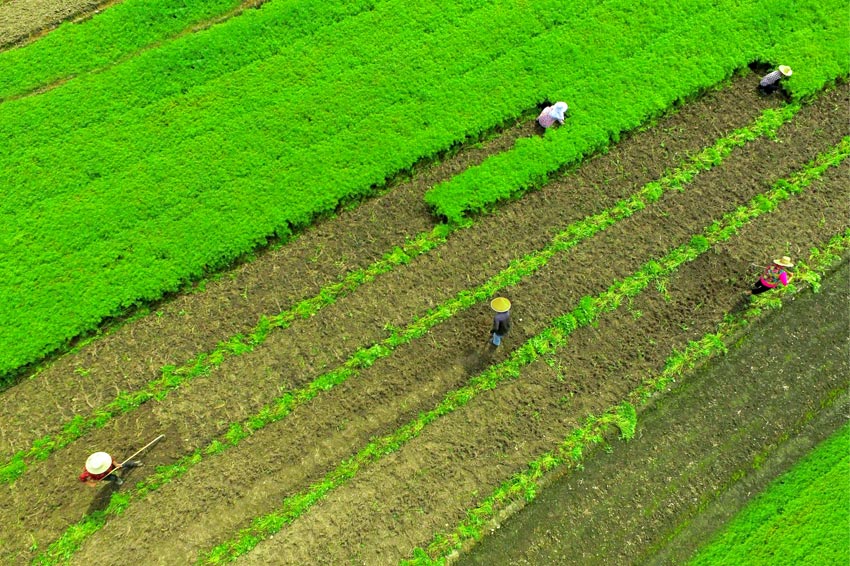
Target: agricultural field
(270,232)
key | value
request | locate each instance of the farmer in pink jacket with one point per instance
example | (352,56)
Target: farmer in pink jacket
(773,275)
(551,114)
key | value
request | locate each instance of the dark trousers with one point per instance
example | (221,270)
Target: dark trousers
(760,287)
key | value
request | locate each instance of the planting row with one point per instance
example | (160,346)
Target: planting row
(131,359)
(104,39)
(329,404)
(173,377)
(260,127)
(395,483)
(509,174)
(718,436)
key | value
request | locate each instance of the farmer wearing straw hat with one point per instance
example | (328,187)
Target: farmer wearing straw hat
(770,82)
(773,275)
(101,466)
(501,321)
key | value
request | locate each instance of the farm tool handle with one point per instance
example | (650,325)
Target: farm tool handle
(139,451)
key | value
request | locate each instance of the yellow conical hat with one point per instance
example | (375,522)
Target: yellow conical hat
(500,304)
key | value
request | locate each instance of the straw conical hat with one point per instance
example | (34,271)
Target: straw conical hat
(500,304)
(98,463)
(785,70)
(784,261)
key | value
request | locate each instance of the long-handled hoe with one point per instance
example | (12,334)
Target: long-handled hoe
(139,451)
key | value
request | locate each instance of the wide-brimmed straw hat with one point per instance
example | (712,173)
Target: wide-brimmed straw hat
(784,261)
(500,304)
(785,70)
(98,463)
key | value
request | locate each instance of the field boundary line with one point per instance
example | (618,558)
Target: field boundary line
(765,125)
(588,310)
(523,487)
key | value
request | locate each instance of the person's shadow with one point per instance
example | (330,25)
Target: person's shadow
(101,499)
(104,492)
(477,359)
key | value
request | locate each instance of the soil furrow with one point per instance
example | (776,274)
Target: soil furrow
(194,323)
(403,499)
(388,394)
(690,446)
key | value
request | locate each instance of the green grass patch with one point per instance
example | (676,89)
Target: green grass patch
(803,517)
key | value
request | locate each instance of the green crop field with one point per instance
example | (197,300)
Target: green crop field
(270,231)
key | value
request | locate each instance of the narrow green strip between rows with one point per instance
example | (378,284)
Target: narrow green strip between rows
(766,125)
(589,310)
(571,450)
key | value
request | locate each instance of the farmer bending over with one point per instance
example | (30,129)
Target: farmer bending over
(770,82)
(551,114)
(773,275)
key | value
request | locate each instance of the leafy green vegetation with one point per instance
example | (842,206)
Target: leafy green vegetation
(817,48)
(589,309)
(173,377)
(101,40)
(803,517)
(121,185)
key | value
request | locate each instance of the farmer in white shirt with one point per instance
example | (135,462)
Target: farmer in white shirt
(552,114)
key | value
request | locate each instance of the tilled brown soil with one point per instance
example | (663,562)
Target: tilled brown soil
(402,500)
(414,492)
(700,453)
(287,456)
(195,323)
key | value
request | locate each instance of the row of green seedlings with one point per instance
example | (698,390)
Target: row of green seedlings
(173,377)
(287,152)
(570,452)
(100,41)
(589,309)
(766,125)
(801,516)
(528,164)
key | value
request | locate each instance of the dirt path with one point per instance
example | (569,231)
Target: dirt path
(414,491)
(701,452)
(21,20)
(195,323)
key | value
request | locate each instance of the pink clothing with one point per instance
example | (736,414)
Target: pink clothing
(773,276)
(545,119)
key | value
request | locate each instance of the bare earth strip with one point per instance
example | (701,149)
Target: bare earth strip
(399,502)
(289,454)
(700,453)
(195,323)
(22,19)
